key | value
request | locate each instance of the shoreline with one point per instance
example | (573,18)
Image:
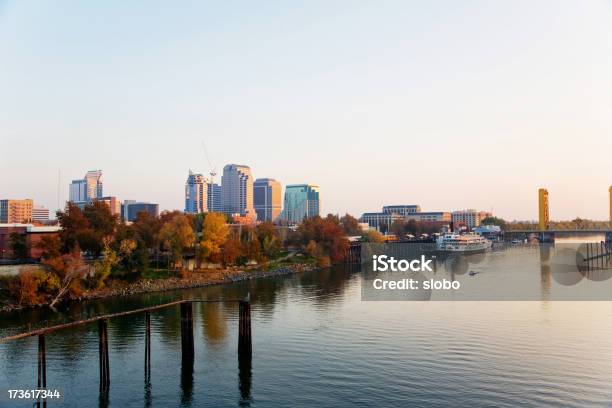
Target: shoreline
(196,279)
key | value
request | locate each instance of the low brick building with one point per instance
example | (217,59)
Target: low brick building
(32,233)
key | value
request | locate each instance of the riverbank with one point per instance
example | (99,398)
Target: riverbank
(195,279)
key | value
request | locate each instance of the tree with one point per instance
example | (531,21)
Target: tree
(494,221)
(86,228)
(398,228)
(232,249)
(372,236)
(327,233)
(50,246)
(73,223)
(69,269)
(103,267)
(18,245)
(177,235)
(214,234)
(269,240)
(350,225)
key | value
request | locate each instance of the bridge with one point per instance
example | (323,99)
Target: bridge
(551,235)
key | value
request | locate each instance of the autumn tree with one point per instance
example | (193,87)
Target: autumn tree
(214,233)
(69,270)
(350,225)
(372,236)
(177,235)
(231,251)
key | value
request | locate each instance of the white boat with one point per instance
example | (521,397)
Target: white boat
(463,243)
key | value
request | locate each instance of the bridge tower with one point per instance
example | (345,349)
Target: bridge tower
(610,191)
(544,218)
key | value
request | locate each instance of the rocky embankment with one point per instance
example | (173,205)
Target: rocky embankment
(193,280)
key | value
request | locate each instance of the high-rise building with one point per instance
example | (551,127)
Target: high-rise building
(16,211)
(40,214)
(87,189)
(267,199)
(237,190)
(196,194)
(301,201)
(130,209)
(543,215)
(214,198)
(471,218)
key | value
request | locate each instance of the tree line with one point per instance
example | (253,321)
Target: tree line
(94,247)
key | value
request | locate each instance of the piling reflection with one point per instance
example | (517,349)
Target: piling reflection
(245,359)
(187,380)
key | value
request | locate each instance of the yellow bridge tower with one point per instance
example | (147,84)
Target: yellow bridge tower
(543,208)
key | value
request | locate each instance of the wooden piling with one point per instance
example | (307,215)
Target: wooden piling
(147,347)
(187,345)
(42,368)
(103,356)
(244,327)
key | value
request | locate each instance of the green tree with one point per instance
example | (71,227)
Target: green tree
(18,245)
(500,222)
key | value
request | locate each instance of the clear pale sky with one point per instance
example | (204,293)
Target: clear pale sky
(446,104)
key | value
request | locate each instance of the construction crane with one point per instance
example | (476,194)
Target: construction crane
(213,169)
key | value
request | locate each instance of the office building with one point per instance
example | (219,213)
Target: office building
(196,194)
(113,203)
(237,191)
(130,209)
(40,214)
(401,209)
(382,221)
(267,199)
(471,218)
(301,201)
(214,197)
(87,189)
(16,211)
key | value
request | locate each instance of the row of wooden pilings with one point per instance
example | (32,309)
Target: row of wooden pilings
(187,342)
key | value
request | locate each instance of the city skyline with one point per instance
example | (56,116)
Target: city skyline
(423,109)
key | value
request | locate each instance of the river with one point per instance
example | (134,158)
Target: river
(316,343)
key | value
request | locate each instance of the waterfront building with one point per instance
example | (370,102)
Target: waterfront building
(40,214)
(237,190)
(84,191)
(382,221)
(16,211)
(33,234)
(130,209)
(430,216)
(301,201)
(267,199)
(196,194)
(471,218)
(379,220)
(403,210)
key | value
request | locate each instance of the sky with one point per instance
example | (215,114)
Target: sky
(445,104)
